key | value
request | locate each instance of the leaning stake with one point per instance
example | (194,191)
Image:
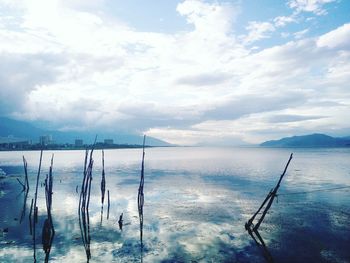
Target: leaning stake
(253,229)
(140,197)
(35,208)
(48,231)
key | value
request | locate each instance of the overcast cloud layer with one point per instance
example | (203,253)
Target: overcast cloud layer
(77,66)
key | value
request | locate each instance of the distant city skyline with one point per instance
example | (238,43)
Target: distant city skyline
(187,72)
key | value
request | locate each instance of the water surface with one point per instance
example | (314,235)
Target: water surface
(197,201)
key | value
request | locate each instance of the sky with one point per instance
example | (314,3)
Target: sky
(188,72)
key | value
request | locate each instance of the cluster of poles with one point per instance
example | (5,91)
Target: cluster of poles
(48,230)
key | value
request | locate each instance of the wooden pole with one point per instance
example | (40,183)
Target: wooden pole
(109,203)
(35,220)
(253,229)
(140,197)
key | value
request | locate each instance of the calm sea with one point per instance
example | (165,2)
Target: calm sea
(197,201)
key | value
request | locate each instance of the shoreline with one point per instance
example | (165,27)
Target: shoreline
(96,147)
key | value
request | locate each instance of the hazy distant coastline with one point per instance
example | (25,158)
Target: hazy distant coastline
(20,135)
(72,147)
(316,140)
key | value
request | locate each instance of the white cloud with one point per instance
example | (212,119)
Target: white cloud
(285,34)
(314,6)
(281,21)
(338,38)
(316,77)
(301,33)
(213,18)
(63,62)
(257,31)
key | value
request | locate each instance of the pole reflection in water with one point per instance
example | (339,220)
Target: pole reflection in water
(254,229)
(26,190)
(30,218)
(23,212)
(120,222)
(103,184)
(140,198)
(84,200)
(48,232)
(35,207)
(262,245)
(108,205)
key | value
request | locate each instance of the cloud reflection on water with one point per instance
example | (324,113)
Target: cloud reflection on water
(190,213)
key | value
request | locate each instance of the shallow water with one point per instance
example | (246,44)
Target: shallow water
(197,201)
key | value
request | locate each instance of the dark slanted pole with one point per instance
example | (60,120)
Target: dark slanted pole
(267,203)
(84,201)
(140,197)
(120,221)
(25,165)
(103,184)
(23,213)
(48,231)
(81,209)
(30,218)
(23,185)
(103,179)
(109,204)
(35,207)
(273,194)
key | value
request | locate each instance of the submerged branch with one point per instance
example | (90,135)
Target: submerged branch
(30,218)
(23,186)
(48,231)
(23,213)
(103,184)
(109,204)
(84,201)
(35,220)
(140,197)
(25,164)
(253,229)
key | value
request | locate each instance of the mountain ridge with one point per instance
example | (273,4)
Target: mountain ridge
(310,140)
(22,129)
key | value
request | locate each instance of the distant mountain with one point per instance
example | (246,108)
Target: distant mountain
(312,140)
(19,129)
(10,127)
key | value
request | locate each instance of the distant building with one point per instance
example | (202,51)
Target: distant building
(109,141)
(13,143)
(45,139)
(78,142)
